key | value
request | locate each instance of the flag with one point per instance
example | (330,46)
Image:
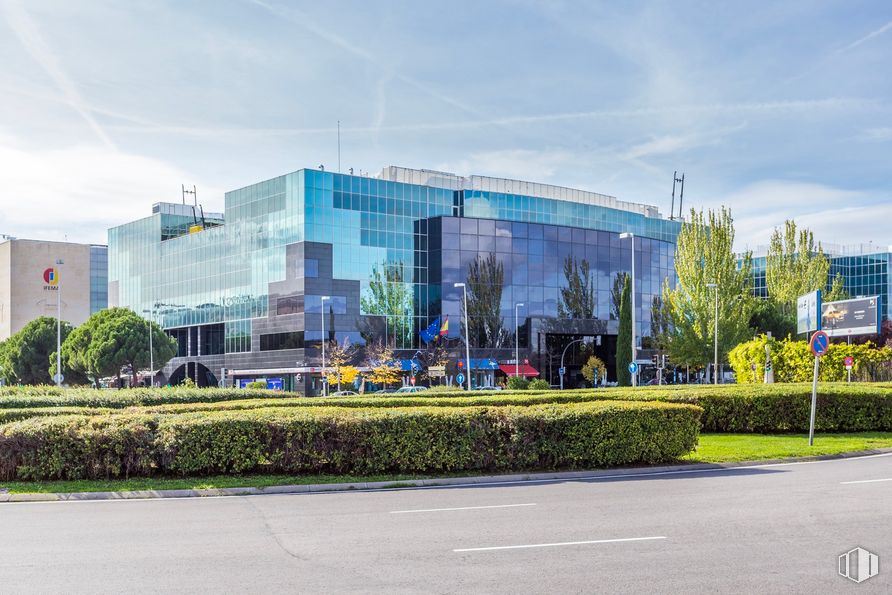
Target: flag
(444,330)
(430,333)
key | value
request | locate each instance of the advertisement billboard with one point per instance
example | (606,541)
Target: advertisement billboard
(808,312)
(859,316)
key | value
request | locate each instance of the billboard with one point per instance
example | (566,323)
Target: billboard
(808,312)
(859,316)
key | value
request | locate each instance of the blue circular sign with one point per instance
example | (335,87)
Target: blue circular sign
(633,367)
(460,378)
(819,343)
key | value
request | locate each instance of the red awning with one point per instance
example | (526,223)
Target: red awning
(525,370)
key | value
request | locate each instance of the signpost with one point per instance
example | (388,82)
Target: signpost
(633,367)
(819,344)
(808,312)
(460,378)
(850,361)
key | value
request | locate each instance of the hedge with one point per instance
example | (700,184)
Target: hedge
(45,396)
(342,440)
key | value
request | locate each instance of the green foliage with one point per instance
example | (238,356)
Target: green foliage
(793,361)
(25,356)
(539,384)
(113,338)
(594,369)
(705,255)
(624,336)
(486,277)
(338,440)
(768,318)
(794,266)
(12,397)
(518,383)
(578,298)
(257,384)
(383,363)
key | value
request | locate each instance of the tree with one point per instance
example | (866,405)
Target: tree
(616,294)
(486,277)
(578,299)
(659,323)
(794,266)
(594,369)
(768,318)
(113,339)
(338,363)
(705,255)
(389,295)
(624,336)
(26,355)
(383,364)
(837,290)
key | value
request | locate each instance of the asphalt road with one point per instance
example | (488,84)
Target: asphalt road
(770,529)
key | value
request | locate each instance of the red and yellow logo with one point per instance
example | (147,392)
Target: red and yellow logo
(51,276)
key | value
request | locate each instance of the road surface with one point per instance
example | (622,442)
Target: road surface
(765,529)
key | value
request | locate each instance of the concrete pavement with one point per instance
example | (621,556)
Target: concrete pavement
(768,529)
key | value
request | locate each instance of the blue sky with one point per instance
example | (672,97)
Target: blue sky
(776,109)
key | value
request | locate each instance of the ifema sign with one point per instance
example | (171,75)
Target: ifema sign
(51,279)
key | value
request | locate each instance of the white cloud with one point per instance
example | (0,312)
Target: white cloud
(81,191)
(760,207)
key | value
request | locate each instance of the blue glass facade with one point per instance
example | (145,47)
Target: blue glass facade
(866,273)
(384,252)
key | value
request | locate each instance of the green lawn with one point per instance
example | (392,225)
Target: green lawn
(727,448)
(713,448)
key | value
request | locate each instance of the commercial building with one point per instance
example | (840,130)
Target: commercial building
(866,269)
(30,280)
(244,292)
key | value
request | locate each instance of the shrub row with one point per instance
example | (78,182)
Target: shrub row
(343,440)
(46,396)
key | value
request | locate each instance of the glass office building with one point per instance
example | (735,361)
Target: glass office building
(864,267)
(252,292)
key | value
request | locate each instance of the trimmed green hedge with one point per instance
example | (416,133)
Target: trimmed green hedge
(47,396)
(342,440)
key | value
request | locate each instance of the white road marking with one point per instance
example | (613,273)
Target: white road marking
(461,508)
(534,545)
(866,481)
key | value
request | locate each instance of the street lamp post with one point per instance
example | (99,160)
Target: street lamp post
(715,333)
(631,236)
(516,341)
(324,381)
(467,330)
(562,358)
(59,262)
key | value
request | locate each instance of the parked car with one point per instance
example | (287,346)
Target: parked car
(344,393)
(412,389)
(488,388)
(384,391)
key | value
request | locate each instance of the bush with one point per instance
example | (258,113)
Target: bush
(539,384)
(518,383)
(256,384)
(355,441)
(47,396)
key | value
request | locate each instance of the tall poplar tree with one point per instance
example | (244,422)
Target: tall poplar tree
(624,335)
(704,255)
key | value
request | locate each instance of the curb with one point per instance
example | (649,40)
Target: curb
(445,482)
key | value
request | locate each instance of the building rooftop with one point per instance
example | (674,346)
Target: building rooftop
(451,181)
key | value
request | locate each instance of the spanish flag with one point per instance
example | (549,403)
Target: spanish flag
(444,330)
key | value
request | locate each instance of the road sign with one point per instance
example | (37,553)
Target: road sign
(819,343)
(59,377)
(412,380)
(562,371)
(460,378)
(633,367)
(850,361)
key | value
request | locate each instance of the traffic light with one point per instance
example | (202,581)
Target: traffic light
(665,360)
(654,359)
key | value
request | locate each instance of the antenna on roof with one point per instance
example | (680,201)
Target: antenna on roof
(675,179)
(193,192)
(339,146)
